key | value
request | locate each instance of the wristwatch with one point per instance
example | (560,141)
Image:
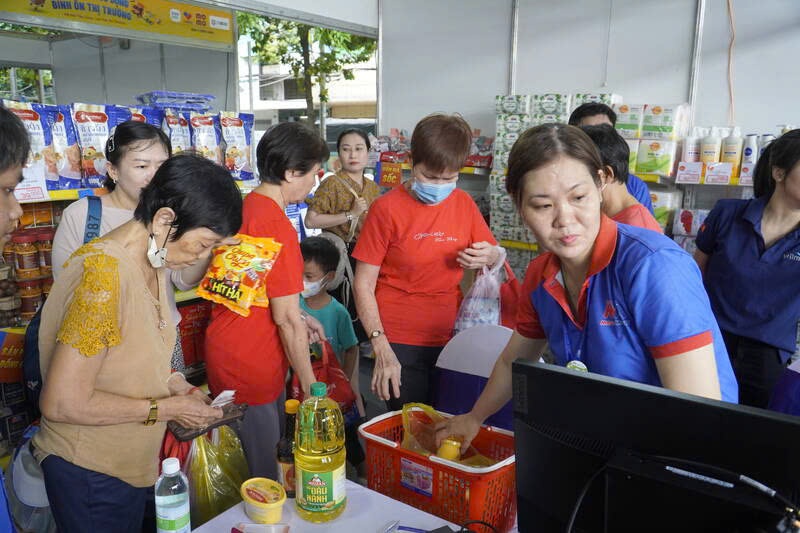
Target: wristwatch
(349,216)
(375,334)
(152,416)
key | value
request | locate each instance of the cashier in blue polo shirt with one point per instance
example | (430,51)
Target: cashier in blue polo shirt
(749,252)
(611,298)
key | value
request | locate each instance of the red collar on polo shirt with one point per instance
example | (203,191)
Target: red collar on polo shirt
(603,250)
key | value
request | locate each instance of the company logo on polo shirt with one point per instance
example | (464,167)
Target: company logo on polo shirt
(611,316)
(792,256)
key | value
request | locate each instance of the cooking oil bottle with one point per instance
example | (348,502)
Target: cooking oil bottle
(319,457)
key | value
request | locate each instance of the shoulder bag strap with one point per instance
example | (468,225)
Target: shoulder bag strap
(93,215)
(354,222)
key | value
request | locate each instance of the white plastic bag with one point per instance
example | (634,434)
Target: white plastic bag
(481,305)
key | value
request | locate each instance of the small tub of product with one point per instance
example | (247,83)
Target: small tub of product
(263,500)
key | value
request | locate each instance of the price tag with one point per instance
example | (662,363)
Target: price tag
(30,194)
(718,173)
(746,175)
(689,172)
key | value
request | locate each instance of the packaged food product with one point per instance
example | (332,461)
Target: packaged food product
(150,115)
(30,294)
(8,253)
(66,151)
(9,311)
(47,284)
(41,169)
(176,127)
(92,126)
(45,246)
(7,285)
(263,500)
(237,129)
(206,136)
(237,273)
(26,255)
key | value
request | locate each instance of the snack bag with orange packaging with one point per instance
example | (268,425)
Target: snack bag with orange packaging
(238,272)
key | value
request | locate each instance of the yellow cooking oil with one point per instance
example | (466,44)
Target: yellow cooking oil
(319,457)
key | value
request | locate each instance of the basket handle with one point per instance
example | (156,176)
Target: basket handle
(370,436)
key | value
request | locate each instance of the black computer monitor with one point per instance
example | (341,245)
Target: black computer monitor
(652,459)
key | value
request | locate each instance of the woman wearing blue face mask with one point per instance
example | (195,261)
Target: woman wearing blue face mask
(412,252)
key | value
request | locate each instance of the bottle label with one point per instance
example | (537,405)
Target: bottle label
(321,492)
(172,514)
(286,477)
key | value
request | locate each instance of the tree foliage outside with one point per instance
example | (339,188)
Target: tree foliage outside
(27,79)
(313,54)
(29,30)
(27,84)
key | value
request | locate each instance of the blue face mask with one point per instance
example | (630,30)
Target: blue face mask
(431,193)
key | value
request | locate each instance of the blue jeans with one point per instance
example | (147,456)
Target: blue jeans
(84,500)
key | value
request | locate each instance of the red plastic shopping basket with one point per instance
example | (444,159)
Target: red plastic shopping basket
(454,492)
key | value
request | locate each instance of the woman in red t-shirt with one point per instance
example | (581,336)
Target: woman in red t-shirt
(253,354)
(413,249)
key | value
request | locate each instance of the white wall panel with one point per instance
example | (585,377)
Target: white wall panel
(445,55)
(766,77)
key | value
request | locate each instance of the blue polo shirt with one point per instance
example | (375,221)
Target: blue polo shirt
(754,290)
(643,299)
(640,191)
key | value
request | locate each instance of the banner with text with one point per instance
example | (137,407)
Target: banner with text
(162,17)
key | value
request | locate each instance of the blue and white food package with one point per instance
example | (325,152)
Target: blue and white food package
(93,123)
(149,115)
(237,130)
(41,170)
(67,151)
(206,136)
(176,126)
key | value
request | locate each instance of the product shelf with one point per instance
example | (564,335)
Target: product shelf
(37,195)
(518,245)
(657,178)
(478,171)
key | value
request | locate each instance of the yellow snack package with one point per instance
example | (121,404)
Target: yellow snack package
(237,272)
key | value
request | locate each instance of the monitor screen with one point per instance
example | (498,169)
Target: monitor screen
(647,458)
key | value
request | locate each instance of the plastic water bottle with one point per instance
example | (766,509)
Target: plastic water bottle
(319,457)
(172,499)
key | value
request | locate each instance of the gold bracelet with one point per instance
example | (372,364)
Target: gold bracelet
(152,416)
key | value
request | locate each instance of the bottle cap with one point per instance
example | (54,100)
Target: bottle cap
(319,389)
(170,465)
(291,406)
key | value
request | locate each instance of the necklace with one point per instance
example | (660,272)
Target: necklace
(283,200)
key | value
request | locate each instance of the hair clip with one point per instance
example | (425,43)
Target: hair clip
(110,145)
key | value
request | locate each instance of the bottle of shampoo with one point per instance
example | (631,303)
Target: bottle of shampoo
(711,147)
(691,146)
(750,150)
(732,151)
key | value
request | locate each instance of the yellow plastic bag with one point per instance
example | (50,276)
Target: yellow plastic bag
(231,455)
(419,428)
(419,435)
(214,473)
